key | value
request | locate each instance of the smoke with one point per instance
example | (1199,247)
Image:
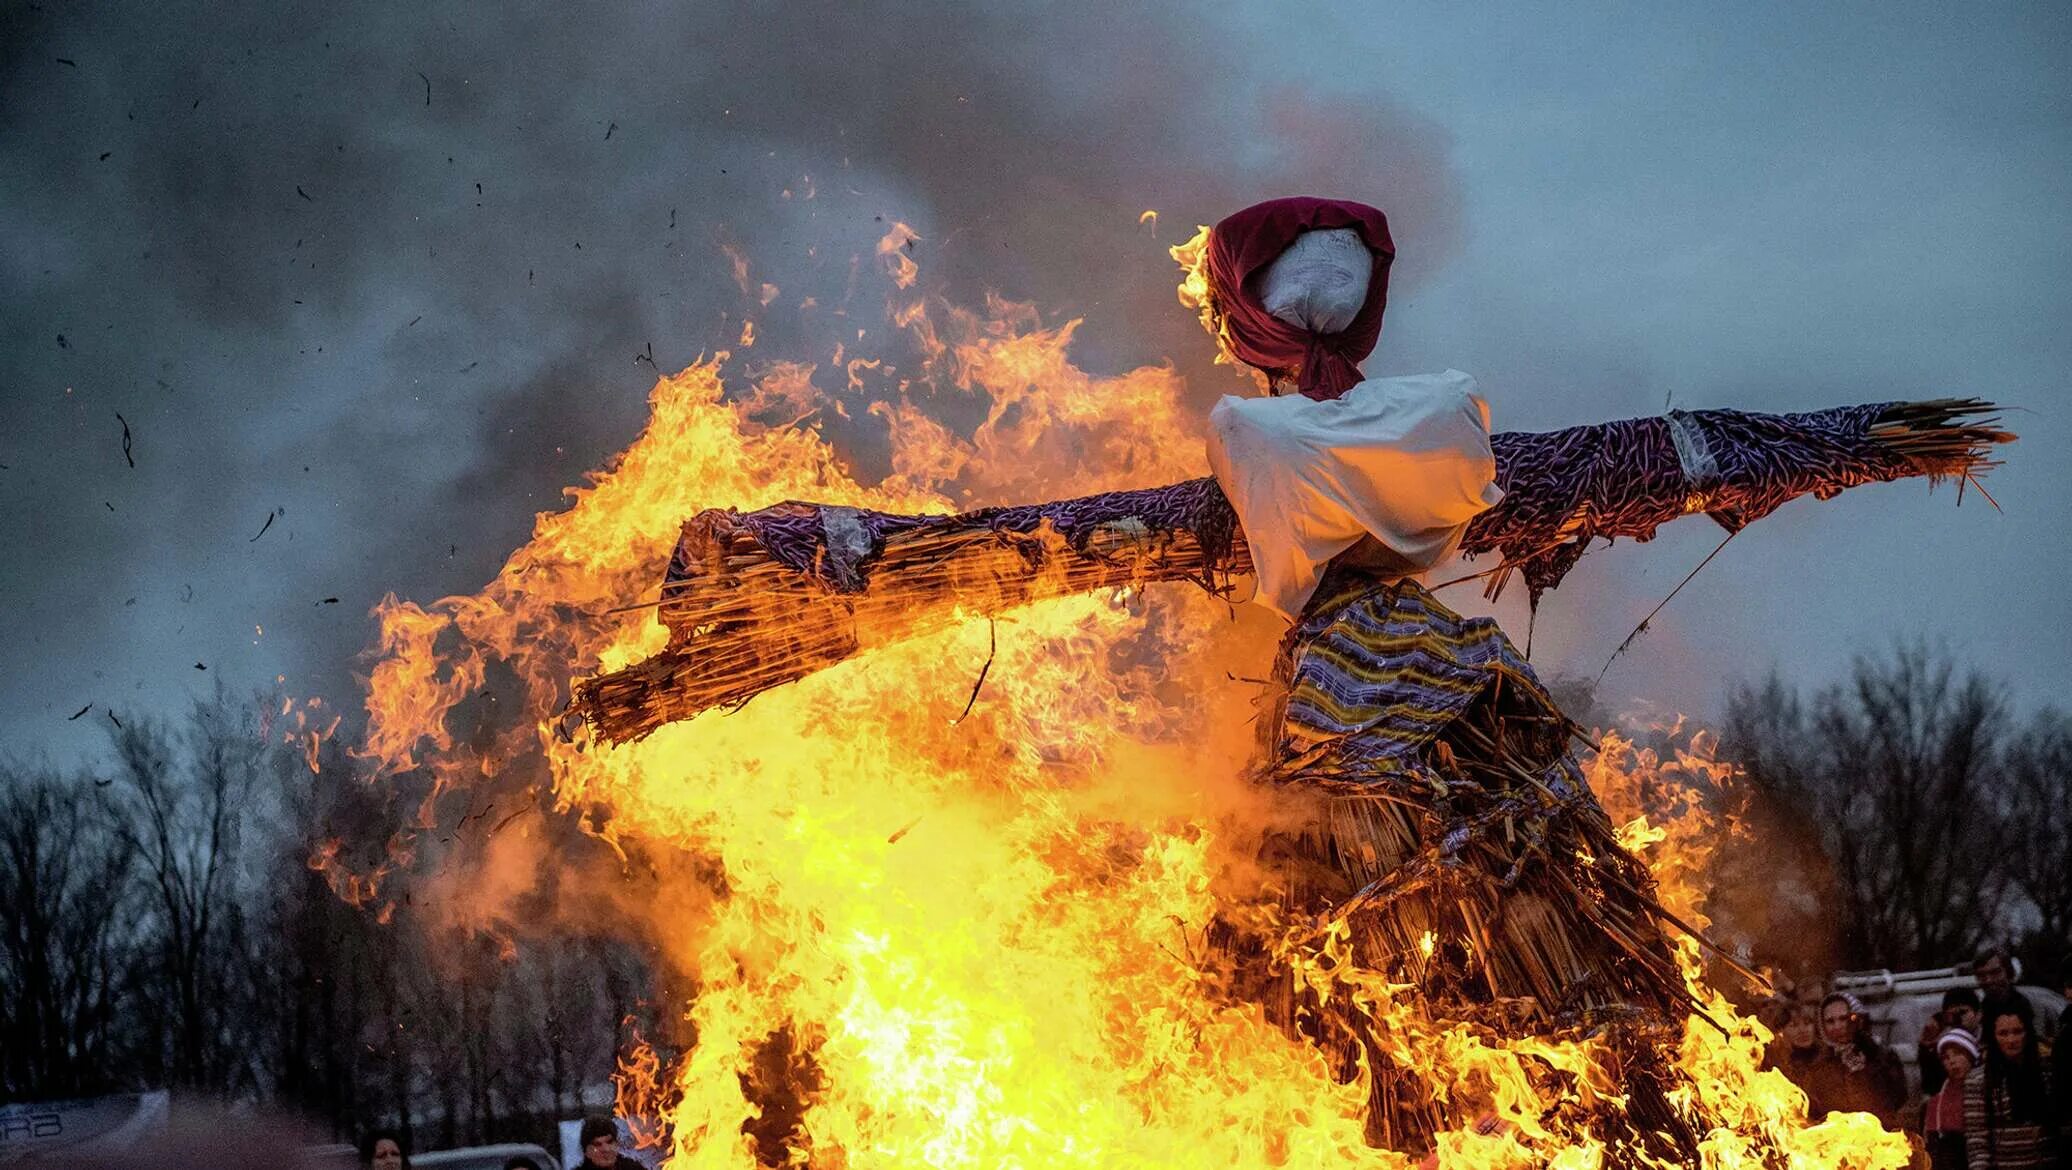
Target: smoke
(391,277)
(397,278)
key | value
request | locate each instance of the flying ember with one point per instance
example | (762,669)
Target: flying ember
(1012,840)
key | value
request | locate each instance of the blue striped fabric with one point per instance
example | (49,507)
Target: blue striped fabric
(1375,673)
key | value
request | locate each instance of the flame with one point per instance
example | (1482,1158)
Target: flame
(897,246)
(640,1086)
(975,915)
(737,264)
(1193,258)
(1644,786)
(353,886)
(1198,294)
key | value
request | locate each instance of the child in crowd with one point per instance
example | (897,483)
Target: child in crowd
(1942,1121)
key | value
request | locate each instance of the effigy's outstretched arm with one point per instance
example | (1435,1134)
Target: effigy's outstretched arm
(1628,478)
(755,600)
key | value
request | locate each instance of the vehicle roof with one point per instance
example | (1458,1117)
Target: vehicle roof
(2040,997)
(491,1156)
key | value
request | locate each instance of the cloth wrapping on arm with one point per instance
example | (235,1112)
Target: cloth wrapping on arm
(1405,461)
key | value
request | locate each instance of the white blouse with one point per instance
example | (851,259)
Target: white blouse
(1405,461)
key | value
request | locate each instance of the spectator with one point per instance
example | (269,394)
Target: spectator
(2061,1074)
(1942,1121)
(600,1144)
(1959,1010)
(1858,1074)
(385,1149)
(520,1162)
(2065,1013)
(1796,1053)
(1772,1013)
(1994,970)
(2009,1123)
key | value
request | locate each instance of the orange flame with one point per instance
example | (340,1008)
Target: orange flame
(984,930)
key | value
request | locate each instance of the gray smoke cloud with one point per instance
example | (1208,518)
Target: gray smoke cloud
(367,285)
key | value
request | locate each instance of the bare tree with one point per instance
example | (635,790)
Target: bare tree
(178,802)
(1769,880)
(2035,846)
(65,899)
(1893,771)
(318,958)
(164,924)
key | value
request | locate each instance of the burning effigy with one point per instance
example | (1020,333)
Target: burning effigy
(1092,922)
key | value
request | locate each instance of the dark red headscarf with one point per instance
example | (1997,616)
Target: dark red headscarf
(1246,243)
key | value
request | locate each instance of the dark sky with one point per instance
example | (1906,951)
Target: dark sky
(381,273)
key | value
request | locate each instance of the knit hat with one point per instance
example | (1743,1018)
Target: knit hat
(1855,1004)
(595,1127)
(1959,1039)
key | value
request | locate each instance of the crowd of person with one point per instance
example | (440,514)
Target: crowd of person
(1995,1090)
(389,1149)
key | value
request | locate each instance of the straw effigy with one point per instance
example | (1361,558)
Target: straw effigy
(1448,836)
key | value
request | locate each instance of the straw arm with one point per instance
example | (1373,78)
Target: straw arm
(1627,478)
(755,600)
(1617,479)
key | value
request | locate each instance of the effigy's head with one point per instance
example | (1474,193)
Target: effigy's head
(1293,288)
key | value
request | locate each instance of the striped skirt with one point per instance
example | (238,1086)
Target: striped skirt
(1449,829)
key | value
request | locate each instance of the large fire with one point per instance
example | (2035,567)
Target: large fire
(976,917)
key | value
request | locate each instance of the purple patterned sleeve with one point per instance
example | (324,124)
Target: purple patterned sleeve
(1562,489)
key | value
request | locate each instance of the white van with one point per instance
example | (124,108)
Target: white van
(484,1157)
(1899,1004)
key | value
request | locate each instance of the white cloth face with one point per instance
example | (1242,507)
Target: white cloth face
(1320,282)
(1406,461)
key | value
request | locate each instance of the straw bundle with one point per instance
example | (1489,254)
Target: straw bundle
(1449,834)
